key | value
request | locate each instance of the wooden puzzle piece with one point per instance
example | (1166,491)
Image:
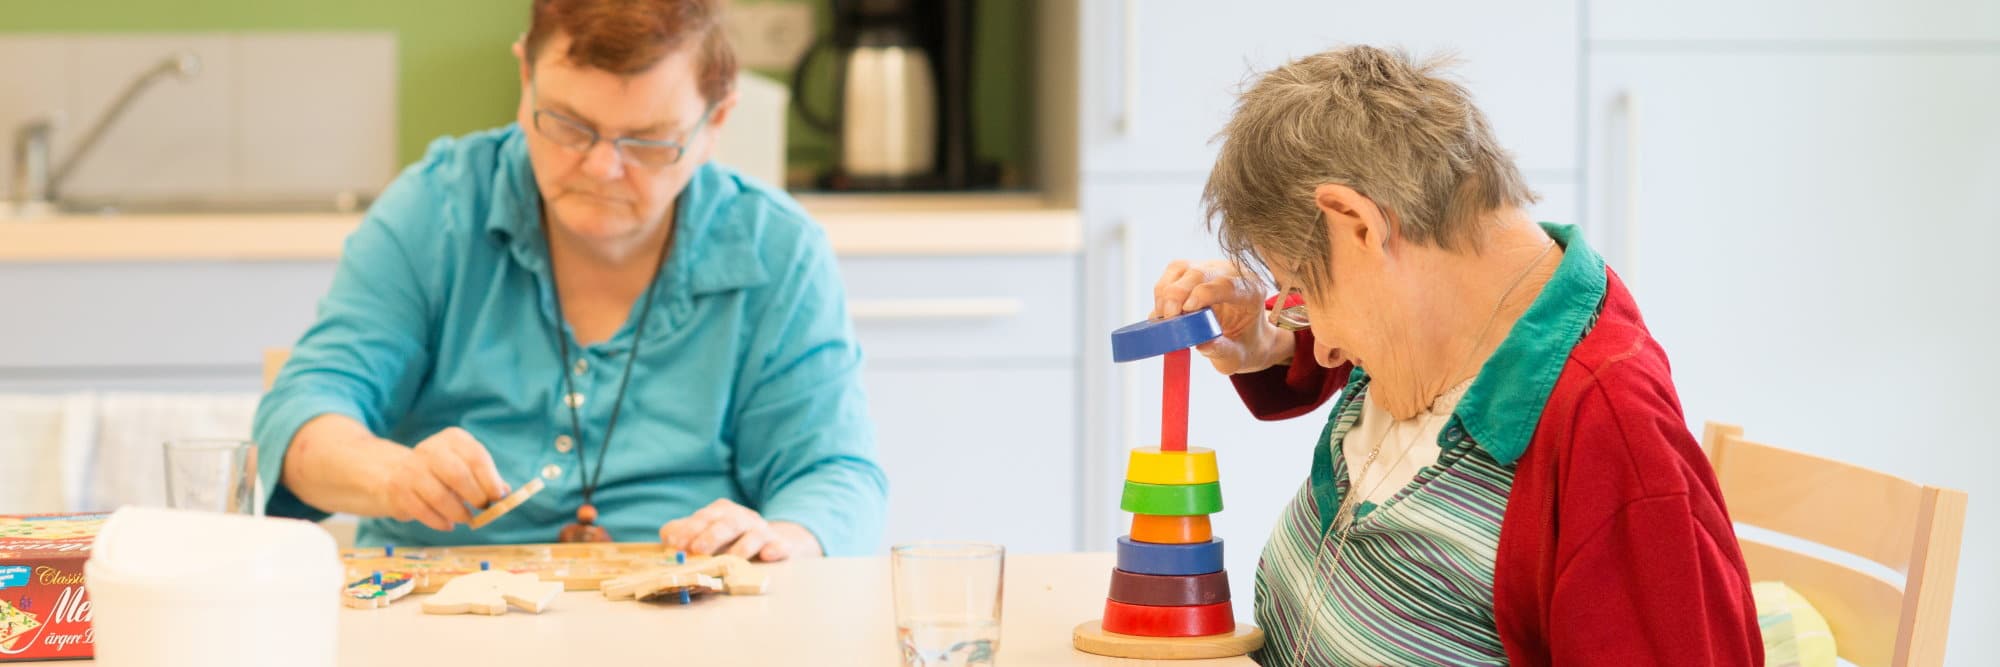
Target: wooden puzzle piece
(730,574)
(378,590)
(507,504)
(579,567)
(491,592)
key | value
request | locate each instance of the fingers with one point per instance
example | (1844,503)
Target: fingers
(721,532)
(1171,300)
(1224,354)
(775,550)
(712,528)
(441,499)
(479,465)
(676,532)
(752,542)
(429,505)
(1215,293)
(451,472)
(1173,272)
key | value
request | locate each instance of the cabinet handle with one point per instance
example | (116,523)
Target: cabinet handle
(1628,106)
(1128,71)
(933,309)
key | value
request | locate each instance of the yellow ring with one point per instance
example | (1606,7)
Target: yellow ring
(1149,465)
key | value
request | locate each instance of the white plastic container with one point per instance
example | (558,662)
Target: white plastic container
(172,588)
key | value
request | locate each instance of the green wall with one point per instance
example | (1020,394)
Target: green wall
(457,75)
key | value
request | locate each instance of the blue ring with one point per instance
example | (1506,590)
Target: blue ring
(1148,338)
(1169,559)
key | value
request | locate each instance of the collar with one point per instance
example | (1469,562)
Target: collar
(1505,402)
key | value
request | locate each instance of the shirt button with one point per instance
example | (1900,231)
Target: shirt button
(564,444)
(551,471)
(574,399)
(581,367)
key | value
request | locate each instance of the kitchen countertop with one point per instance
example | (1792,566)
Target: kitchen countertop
(832,612)
(856,225)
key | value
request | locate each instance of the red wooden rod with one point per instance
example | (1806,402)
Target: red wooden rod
(1174,403)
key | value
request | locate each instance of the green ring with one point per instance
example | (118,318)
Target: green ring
(1172,499)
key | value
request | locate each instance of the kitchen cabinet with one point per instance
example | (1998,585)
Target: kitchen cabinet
(1160,76)
(982,454)
(151,326)
(971,377)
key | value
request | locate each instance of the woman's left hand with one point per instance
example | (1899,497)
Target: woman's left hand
(744,532)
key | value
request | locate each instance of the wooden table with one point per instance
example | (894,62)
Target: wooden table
(819,612)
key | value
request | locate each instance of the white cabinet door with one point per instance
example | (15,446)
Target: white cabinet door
(963,308)
(138,320)
(1814,236)
(982,454)
(1793,22)
(1160,76)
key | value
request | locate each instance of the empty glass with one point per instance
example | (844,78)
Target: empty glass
(212,475)
(948,602)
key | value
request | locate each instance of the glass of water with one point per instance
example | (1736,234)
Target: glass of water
(212,475)
(948,602)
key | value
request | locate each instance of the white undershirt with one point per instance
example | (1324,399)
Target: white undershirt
(1380,482)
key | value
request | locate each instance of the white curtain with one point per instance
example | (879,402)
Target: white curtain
(97,451)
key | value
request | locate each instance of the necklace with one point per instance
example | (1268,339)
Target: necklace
(586,529)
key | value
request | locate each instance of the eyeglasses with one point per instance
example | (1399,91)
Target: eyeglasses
(650,153)
(1288,310)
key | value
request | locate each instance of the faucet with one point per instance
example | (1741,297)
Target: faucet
(38,185)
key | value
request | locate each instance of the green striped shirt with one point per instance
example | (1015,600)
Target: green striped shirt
(1413,583)
(1410,583)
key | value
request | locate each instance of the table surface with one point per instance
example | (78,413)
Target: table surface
(819,612)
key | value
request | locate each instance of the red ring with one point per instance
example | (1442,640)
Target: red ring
(1147,621)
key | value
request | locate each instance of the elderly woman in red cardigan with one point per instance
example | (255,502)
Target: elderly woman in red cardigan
(1505,475)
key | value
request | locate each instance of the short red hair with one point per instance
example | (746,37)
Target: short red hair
(626,37)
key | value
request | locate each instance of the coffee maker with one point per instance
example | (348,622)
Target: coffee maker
(902,112)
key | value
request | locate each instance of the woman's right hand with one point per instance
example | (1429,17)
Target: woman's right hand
(1249,342)
(442,480)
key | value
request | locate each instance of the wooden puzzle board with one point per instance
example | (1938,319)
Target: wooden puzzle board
(579,567)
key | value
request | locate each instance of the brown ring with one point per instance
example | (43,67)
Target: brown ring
(1169,590)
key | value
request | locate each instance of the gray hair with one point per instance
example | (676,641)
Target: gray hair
(1374,120)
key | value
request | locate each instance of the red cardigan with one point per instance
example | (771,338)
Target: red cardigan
(1615,548)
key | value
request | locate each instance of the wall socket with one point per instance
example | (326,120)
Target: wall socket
(769,35)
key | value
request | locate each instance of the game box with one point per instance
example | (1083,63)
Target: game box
(44,609)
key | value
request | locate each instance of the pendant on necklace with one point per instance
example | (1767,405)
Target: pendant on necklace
(585,529)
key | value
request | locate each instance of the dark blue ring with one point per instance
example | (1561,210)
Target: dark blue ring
(1148,338)
(1169,559)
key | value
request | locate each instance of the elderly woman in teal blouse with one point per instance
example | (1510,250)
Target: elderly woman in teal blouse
(580,298)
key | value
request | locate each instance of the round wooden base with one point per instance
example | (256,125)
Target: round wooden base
(1090,637)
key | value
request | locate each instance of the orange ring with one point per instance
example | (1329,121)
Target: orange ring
(1159,529)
